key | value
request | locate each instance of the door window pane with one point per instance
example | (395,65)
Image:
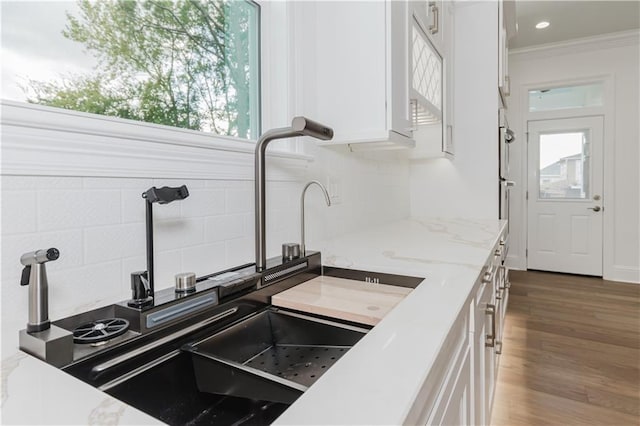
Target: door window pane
(564,165)
(587,95)
(192,64)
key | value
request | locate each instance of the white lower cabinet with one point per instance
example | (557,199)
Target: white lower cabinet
(483,354)
(446,394)
(456,410)
(460,388)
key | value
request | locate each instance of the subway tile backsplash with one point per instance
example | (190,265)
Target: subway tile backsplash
(98,225)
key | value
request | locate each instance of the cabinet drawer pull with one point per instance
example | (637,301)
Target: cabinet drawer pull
(490,340)
(498,347)
(489,275)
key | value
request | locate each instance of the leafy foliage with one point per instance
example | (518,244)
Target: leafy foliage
(184,63)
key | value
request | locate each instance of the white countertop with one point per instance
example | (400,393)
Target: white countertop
(378,380)
(374,383)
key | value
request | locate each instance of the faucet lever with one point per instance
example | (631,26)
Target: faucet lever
(26,274)
(165,195)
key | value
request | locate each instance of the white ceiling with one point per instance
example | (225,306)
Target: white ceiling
(572,19)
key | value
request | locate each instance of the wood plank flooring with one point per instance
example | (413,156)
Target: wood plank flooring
(571,352)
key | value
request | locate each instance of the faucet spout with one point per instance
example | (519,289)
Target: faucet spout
(300,126)
(303,249)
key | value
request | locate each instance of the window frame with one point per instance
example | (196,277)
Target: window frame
(77,143)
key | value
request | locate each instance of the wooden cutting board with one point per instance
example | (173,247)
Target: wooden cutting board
(350,300)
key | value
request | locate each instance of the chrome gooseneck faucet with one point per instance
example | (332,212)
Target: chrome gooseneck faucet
(300,126)
(303,249)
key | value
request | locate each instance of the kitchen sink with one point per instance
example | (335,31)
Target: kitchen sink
(274,355)
(248,373)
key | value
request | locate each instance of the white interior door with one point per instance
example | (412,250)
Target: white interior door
(565,202)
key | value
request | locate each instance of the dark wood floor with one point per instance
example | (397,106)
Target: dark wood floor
(571,352)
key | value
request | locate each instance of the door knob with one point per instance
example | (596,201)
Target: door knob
(595,209)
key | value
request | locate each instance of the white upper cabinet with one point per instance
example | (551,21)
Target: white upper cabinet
(434,44)
(354,64)
(372,71)
(506,30)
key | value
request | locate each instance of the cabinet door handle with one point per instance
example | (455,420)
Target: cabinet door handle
(498,347)
(435,23)
(490,339)
(503,279)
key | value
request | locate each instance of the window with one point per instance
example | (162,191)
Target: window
(186,63)
(583,96)
(564,165)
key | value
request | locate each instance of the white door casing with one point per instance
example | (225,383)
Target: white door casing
(565,195)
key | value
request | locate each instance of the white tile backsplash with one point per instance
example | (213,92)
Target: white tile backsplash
(40,182)
(203,202)
(22,219)
(204,259)
(100,280)
(240,251)
(113,242)
(174,234)
(68,209)
(221,228)
(99,226)
(133,205)
(239,200)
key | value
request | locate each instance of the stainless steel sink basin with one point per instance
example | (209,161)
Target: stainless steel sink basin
(271,356)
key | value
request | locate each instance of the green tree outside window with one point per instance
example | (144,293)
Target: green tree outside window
(185,63)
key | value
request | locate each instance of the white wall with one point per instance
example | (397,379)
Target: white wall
(467,185)
(614,58)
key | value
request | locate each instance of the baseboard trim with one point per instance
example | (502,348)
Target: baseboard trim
(625,274)
(516,262)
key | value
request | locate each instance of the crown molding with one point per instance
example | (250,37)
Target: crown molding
(585,44)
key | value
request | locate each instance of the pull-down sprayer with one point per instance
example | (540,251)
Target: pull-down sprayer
(300,126)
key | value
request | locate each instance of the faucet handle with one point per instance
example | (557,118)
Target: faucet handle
(26,273)
(165,195)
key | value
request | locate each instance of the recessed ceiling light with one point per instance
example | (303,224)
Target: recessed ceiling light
(542,24)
